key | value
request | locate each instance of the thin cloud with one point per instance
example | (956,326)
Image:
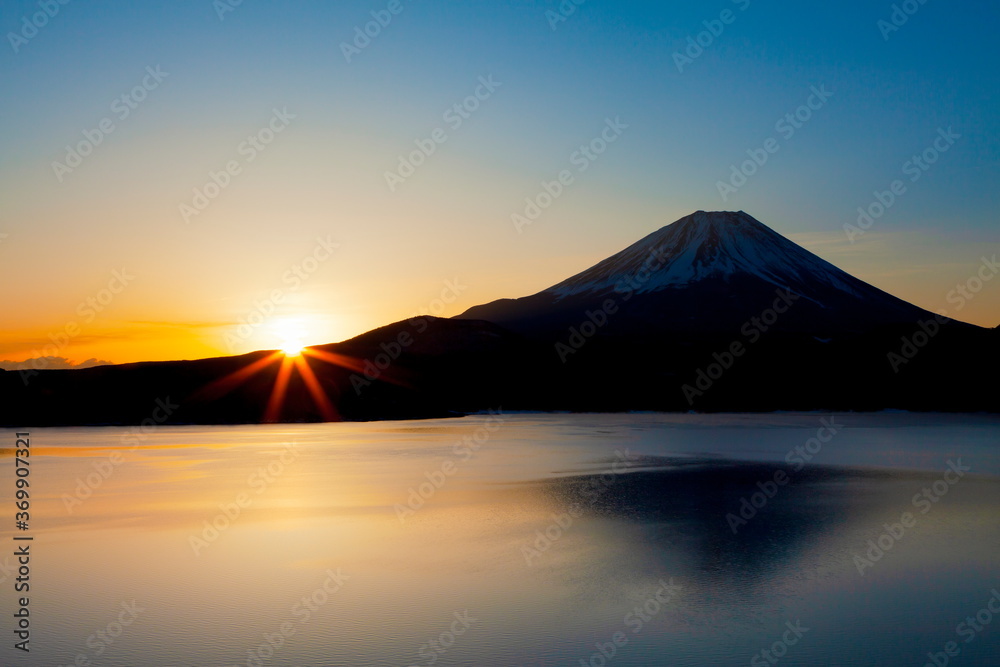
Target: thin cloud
(51,364)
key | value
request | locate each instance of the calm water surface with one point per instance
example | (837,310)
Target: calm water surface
(515,540)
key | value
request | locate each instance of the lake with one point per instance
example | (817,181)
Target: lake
(514,539)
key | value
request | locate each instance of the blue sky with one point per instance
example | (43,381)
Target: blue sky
(325,173)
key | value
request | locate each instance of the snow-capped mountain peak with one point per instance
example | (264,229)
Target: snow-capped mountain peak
(707,272)
(718,244)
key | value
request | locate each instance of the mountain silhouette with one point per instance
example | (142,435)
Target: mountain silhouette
(707,272)
(715,312)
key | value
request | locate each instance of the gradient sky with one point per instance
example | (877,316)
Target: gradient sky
(323,176)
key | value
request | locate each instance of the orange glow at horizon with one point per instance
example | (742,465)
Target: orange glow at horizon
(205,315)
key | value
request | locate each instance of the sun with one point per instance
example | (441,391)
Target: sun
(292,349)
(291,334)
(295,363)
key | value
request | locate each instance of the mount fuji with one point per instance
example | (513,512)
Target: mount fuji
(716,311)
(708,272)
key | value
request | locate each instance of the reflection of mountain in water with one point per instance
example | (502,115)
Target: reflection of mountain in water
(680,506)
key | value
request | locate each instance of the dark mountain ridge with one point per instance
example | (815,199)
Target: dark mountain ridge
(715,312)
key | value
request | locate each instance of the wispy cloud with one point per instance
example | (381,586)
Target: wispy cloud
(50,364)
